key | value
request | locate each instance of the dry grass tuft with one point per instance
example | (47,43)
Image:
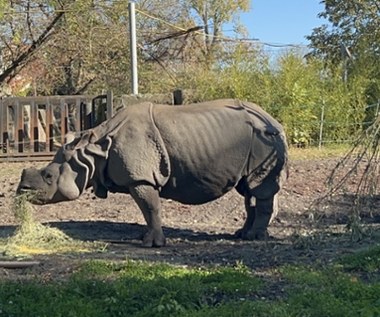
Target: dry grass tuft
(32,237)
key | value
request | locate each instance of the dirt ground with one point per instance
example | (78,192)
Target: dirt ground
(202,235)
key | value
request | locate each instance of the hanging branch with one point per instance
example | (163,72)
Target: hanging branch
(359,166)
(366,150)
(9,73)
(177,34)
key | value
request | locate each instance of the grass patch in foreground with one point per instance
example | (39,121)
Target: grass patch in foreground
(137,288)
(330,292)
(132,288)
(338,289)
(31,237)
(364,261)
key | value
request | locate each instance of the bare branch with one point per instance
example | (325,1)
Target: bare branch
(9,72)
(84,87)
(177,34)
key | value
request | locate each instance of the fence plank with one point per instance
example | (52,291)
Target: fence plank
(64,120)
(19,126)
(109,100)
(48,127)
(78,117)
(34,135)
(3,125)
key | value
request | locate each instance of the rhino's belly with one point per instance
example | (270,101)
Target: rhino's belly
(193,190)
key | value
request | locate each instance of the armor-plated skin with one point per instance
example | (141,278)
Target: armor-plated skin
(192,154)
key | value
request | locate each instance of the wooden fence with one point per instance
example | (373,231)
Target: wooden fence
(33,128)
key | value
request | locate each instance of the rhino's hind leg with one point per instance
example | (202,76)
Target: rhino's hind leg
(251,212)
(264,212)
(259,215)
(148,200)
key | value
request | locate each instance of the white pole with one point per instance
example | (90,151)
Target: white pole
(321,125)
(132,40)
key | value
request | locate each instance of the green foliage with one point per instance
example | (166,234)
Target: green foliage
(351,41)
(296,98)
(300,93)
(3,8)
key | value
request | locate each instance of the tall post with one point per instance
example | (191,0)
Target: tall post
(132,40)
(109,104)
(321,125)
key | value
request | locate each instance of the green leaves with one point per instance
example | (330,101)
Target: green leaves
(352,40)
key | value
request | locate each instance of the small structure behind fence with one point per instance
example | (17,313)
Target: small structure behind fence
(33,128)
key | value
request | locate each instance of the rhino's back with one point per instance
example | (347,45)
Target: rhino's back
(208,146)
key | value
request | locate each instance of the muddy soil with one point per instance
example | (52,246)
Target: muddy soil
(202,235)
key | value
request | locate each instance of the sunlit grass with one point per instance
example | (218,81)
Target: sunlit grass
(130,288)
(333,150)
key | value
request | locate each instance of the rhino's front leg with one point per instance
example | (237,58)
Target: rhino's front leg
(148,200)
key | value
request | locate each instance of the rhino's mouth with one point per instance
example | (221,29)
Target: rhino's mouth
(32,195)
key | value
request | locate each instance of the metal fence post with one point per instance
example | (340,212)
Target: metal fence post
(321,125)
(109,104)
(132,40)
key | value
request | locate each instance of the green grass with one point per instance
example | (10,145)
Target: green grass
(365,261)
(333,150)
(129,289)
(139,288)
(330,292)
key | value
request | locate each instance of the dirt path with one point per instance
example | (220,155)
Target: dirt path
(203,234)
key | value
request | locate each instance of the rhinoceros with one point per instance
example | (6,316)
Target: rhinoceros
(192,154)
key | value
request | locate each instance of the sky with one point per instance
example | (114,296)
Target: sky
(282,21)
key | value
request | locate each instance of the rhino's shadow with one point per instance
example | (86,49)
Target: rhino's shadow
(124,232)
(118,231)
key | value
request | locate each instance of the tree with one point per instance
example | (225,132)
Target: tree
(70,47)
(20,36)
(189,38)
(87,53)
(212,15)
(352,38)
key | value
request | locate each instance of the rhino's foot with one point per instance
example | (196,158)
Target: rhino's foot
(251,234)
(154,238)
(239,233)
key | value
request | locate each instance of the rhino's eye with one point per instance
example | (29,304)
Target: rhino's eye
(48,177)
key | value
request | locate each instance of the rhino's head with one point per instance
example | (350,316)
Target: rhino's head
(69,174)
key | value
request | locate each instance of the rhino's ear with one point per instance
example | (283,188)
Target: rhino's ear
(93,145)
(69,137)
(88,137)
(100,148)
